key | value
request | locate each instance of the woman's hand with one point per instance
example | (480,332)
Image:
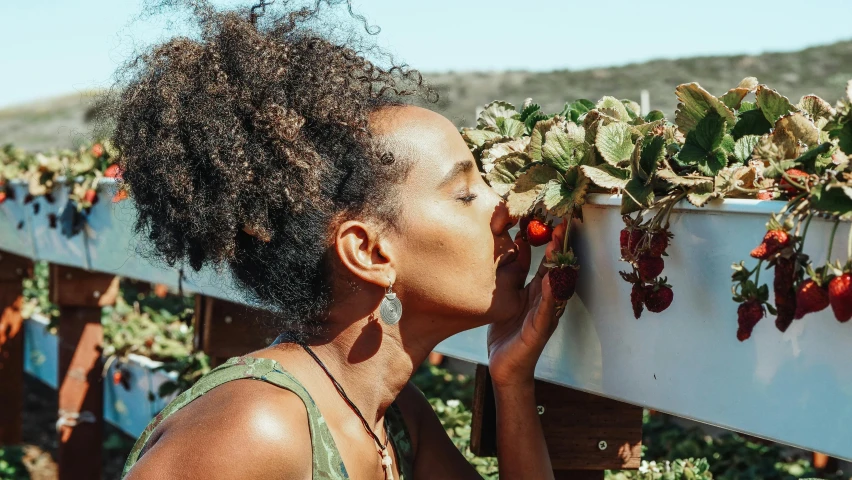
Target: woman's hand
(515,345)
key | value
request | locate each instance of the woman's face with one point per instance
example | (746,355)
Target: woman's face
(454,257)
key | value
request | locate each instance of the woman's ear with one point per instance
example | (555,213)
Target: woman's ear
(362,251)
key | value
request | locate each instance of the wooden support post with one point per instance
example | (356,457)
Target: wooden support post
(225,329)
(586,434)
(13,269)
(80,294)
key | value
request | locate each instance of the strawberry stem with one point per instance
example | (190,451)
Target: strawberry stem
(805,232)
(849,245)
(567,232)
(757,275)
(831,241)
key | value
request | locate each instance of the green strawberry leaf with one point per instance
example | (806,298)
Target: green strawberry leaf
(751,122)
(614,108)
(528,110)
(653,152)
(798,127)
(744,146)
(564,149)
(615,142)
(844,137)
(537,135)
(494,110)
(671,177)
(654,116)
(734,97)
(816,107)
(506,170)
(524,195)
(510,127)
(606,175)
(561,198)
(633,108)
(476,138)
(695,104)
(636,196)
(728,144)
(833,199)
(772,104)
(533,119)
(701,148)
(576,109)
(700,194)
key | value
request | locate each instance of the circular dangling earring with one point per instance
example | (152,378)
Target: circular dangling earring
(391,308)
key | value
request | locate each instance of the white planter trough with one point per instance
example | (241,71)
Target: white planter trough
(15,236)
(112,245)
(795,387)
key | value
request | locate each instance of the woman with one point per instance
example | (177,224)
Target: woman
(291,159)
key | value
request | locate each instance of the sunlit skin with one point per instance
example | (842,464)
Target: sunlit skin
(454,266)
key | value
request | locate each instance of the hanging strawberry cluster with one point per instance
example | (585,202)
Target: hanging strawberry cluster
(750,142)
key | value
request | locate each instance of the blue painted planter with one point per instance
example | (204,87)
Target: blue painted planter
(13,213)
(129,409)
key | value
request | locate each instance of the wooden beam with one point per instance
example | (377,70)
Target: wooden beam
(226,329)
(13,269)
(586,434)
(80,295)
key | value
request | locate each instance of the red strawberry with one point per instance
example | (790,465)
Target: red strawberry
(91,196)
(798,176)
(637,299)
(840,297)
(623,241)
(97,150)
(749,313)
(658,297)
(538,232)
(810,298)
(659,242)
(785,293)
(2,197)
(764,195)
(149,342)
(113,171)
(773,241)
(563,281)
(119,196)
(116,377)
(743,334)
(650,267)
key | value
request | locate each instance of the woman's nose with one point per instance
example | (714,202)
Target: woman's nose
(501,220)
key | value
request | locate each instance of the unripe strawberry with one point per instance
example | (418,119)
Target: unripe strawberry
(538,232)
(810,298)
(840,297)
(772,243)
(650,267)
(563,281)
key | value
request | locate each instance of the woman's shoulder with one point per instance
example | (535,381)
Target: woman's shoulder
(243,428)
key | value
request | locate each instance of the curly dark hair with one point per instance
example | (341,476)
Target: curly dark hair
(258,126)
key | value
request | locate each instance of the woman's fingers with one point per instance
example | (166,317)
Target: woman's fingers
(555,244)
(547,313)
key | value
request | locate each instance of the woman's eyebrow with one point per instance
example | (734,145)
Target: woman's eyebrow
(458,169)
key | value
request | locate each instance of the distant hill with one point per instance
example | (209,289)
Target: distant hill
(822,70)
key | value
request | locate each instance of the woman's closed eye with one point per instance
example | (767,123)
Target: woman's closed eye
(467,198)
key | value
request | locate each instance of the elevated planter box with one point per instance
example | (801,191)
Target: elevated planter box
(113,247)
(795,387)
(15,230)
(131,408)
(48,241)
(128,408)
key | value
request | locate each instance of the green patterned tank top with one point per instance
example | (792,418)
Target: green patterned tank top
(327,463)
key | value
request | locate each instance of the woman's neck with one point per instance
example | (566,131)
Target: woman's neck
(371,362)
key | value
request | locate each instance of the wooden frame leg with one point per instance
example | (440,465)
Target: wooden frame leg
(13,269)
(80,295)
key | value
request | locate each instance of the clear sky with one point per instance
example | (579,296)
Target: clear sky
(52,47)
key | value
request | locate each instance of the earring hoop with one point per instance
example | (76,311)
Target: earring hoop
(390,309)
